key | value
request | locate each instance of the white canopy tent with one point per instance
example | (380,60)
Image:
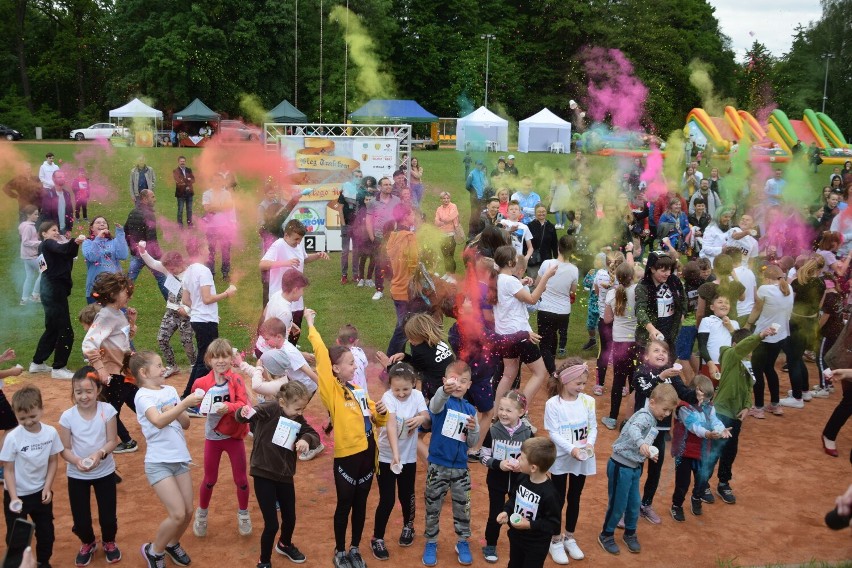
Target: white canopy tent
(538,132)
(136,109)
(481,129)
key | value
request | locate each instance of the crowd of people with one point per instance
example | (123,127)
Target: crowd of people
(693,292)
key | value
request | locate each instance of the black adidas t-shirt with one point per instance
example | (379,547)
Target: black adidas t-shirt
(431,362)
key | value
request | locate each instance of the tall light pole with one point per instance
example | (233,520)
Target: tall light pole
(827,57)
(487,38)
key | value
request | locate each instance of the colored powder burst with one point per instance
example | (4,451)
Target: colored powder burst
(370,81)
(699,77)
(614,91)
(253,109)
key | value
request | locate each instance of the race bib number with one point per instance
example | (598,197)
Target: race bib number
(401,428)
(173,285)
(285,433)
(574,433)
(665,302)
(502,450)
(363,401)
(455,425)
(206,403)
(526,503)
(42,263)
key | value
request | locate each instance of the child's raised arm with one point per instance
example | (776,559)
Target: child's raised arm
(327,381)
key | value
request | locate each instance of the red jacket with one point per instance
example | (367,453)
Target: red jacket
(228,425)
(661,205)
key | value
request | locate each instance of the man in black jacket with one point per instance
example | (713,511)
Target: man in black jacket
(141,225)
(56,205)
(184,180)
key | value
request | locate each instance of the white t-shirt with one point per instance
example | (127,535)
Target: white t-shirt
(402,410)
(30,452)
(297,361)
(194,278)
(280,250)
(623,327)
(718,335)
(520,234)
(747,279)
(360,377)
(776,309)
(747,244)
(510,314)
(601,277)
(571,424)
(166,445)
(277,307)
(556,298)
(87,438)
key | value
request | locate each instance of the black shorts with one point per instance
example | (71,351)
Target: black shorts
(7,415)
(526,351)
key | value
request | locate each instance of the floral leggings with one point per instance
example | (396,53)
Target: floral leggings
(170,323)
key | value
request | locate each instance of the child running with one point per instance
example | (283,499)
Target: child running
(226,393)
(398,455)
(500,452)
(569,418)
(280,431)
(620,311)
(88,433)
(355,418)
(163,418)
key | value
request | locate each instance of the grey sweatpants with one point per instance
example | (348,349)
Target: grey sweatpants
(440,480)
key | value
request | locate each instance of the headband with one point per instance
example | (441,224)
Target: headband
(573,372)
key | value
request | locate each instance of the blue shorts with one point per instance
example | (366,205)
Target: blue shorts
(684,342)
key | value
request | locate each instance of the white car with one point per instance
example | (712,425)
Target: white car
(99,130)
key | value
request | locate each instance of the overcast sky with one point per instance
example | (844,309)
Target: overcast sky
(770,22)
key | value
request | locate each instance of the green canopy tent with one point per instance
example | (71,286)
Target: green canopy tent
(195,124)
(285,112)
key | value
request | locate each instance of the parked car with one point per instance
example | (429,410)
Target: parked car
(9,133)
(99,130)
(238,131)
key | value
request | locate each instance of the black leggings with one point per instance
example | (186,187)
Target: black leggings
(550,325)
(41,515)
(205,332)
(685,470)
(497,497)
(655,468)
(79,495)
(841,413)
(605,352)
(353,479)
(803,334)
(268,493)
(118,393)
(825,344)
(574,485)
(58,335)
(763,364)
(625,360)
(388,484)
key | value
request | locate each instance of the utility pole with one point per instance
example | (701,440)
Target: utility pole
(488,38)
(827,57)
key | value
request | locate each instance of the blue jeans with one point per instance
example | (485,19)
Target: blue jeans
(136,265)
(623,490)
(181,202)
(398,339)
(561,217)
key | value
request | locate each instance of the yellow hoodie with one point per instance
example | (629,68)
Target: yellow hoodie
(346,416)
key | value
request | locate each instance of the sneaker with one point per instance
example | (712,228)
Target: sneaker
(341,560)
(648,513)
(726,493)
(344,280)
(127,447)
(244,523)
(380,551)
(474,457)
(820,393)
(490,554)
(152,561)
(23,302)
(620,524)
(178,555)
(406,537)
(785,368)
(311,454)
(378,295)
(430,554)
(557,553)
(199,525)
(194,412)
(40,368)
(355,559)
(264,564)
(806,395)
(171,370)
(695,503)
(361,283)
(775,409)
(87,552)
(597,390)
(370,284)
(572,549)
(632,542)
(608,544)
(756,413)
(463,551)
(561,353)
(791,402)
(589,345)
(63,374)
(677,514)
(290,551)
(610,423)
(707,496)
(112,553)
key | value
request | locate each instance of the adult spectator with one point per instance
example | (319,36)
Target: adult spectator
(184,191)
(846,173)
(447,221)
(504,196)
(499,171)
(347,206)
(715,181)
(45,172)
(698,175)
(220,224)
(477,185)
(56,205)
(403,257)
(416,171)
(544,239)
(711,198)
(814,156)
(400,182)
(527,199)
(743,237)
(716,234)
(774,187)
(490,216)
(699,218)
(55,288)
(661,204)
(141,177)
(103,252)
(842,224)
(510,166)
(689,182)
(560,196)
(141,225)
(379,214)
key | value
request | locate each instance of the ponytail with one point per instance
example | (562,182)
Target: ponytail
(624,276)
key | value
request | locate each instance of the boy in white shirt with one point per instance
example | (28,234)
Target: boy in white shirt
(292,288)
(30,457)
(714,332)
(519,232)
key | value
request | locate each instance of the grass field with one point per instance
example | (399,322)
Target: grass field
(336,304)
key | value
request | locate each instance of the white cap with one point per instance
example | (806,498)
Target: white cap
(511,157)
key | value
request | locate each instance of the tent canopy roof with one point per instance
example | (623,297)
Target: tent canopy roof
(485,117)
(135,109)
(381,110)
(544,118)
(285,112)
(196,111)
